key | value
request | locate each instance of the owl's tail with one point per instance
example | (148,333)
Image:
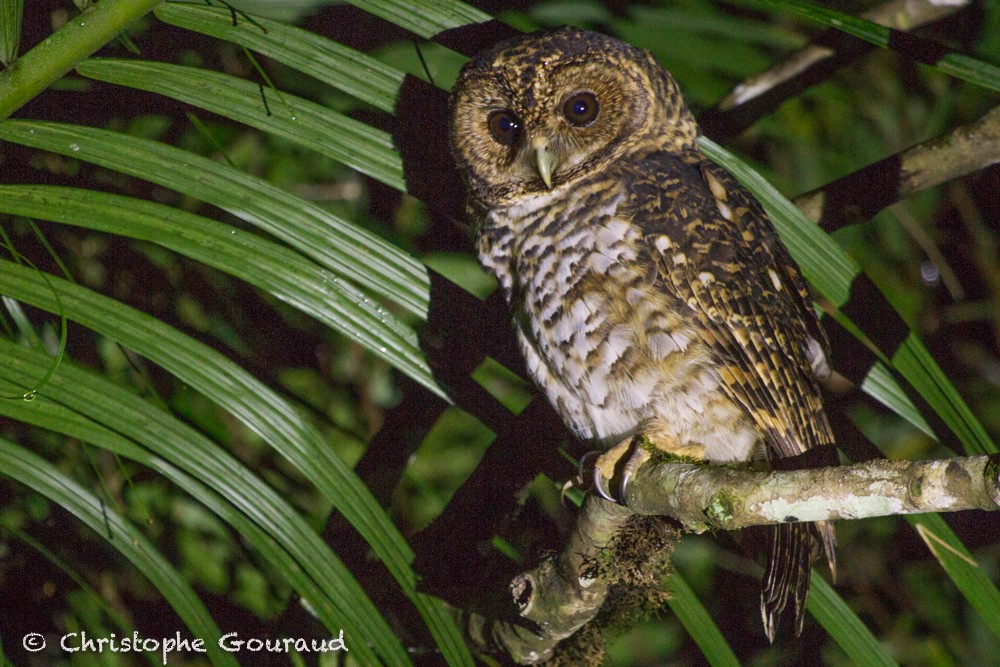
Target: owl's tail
(794,548)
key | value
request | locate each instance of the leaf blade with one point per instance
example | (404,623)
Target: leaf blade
(974,584)
(699,624)
(306,123)
(260,409)
(38,474)
(935,55)
(357,74)
(282,272)
(844,626)
(424,17)
(11,15)
(331,241)
(342,602)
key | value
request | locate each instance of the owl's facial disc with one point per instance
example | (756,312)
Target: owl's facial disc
(545,111)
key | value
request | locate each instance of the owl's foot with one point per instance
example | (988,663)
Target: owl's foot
(624,459)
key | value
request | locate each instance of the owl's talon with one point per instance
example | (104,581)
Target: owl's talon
(587,461)
(601,487)
(590,464)
(636,457)
(564,491)
(620,462)
(626,476)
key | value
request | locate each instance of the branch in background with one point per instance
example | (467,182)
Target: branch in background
(760,94)
(560,596)
(863,193)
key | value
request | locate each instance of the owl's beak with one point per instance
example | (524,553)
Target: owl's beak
(546,160)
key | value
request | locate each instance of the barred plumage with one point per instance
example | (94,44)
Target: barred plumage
(649,292)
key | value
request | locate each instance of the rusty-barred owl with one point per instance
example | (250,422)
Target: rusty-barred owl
(650,294)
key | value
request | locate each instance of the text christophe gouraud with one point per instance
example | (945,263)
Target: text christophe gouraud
(232,642)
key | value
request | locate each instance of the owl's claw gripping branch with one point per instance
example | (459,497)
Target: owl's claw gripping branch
(600,486)
(626,457)
(608,464)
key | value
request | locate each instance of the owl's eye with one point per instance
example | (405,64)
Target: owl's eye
(581,109)
(504,126)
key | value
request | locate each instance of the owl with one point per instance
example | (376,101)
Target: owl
(650,295)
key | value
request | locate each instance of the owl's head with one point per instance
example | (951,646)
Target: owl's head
(543,110)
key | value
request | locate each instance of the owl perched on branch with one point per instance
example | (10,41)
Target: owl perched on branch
(651,297)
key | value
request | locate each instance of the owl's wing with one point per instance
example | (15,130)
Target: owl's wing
(715,250)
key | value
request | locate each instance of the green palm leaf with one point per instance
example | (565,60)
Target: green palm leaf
(274,268)
(351,71)
(425,18)
(11,14)
(306,123)
(38,474)
(247,399)
(370,261)
(689,610)
(341,602)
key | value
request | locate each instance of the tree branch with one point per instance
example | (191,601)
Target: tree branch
(863,193)
(726,498)
(759,94)
(560,596)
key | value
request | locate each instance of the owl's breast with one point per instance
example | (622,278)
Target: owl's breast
(609,347)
